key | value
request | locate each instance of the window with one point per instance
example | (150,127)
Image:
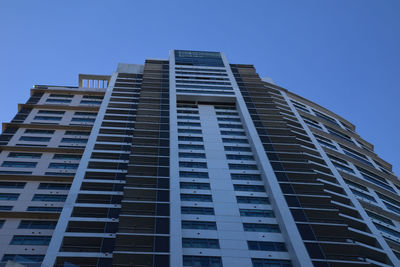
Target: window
(188,117)
(5,208)
(192,155)
(55,186)
(235,140)
(270,263)
(47,118)
(387,230)
(229,119)
(203,175)
(49,197)
(74,140)
(233,126)
(256,213)
(193,131)
(54,112)
(35,131)
(266,246)
(370,177)
(325,117)
(62,101)
(199,225)
(61,95)
(197,210)
(92,97)
(22,258)
(1,223)
(184,123)
(34,138)
(244,176)
(30,240)
(239,157)
(196,197)
(237,148)
(45,209)
(190,138)
(205,261)
(342,167)
(355,155)
(339,134)
(68,166)
(85,114)
(88,102)
(21,155)
(200,243)
(188,164)
(252,200)
(19,164)
(233,133)
(25,224)
(13,185)
(242,166)
(261,227)
(83,119)
(67,156)
(245,187)
(76,133)
(188,111)
(363,195)
(191,147)
(379,217)
(202,186)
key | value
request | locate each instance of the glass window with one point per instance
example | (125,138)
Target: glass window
(53,100)
(22,258)
(31,224)
(203,175)
(19,164)
(44,209)
(185,117)
(184,123)
(67,156)
(56,112)
(13,185)
(30,240)
(189,164)
(47,118)
(191,147)
(199,225)
(191,155)
(239,157)
(190,138)
(270,263)
(36,131)
(363,195)
(245,187)
(76,133)
(229,119)
(6,208)
(194,131)
(203,261)
(245,176)
(83,119)
(266,246)
(55,186)
(85,114)
(233,126)
(237,148)
(233,133)
(379,217)
(23,155)
(200,243)
(49,197)
(34,138)
(68,166)
(61,95)
(233,166)
(196,197)
(252,200)
(89,102)
(256,213)
(74,140)
(197,210)
(261,227)
(187,185)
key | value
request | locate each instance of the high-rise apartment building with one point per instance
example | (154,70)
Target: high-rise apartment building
(190,161)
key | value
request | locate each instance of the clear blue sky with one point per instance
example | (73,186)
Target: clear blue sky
(342,54)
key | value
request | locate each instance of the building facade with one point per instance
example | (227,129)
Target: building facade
(190,161)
